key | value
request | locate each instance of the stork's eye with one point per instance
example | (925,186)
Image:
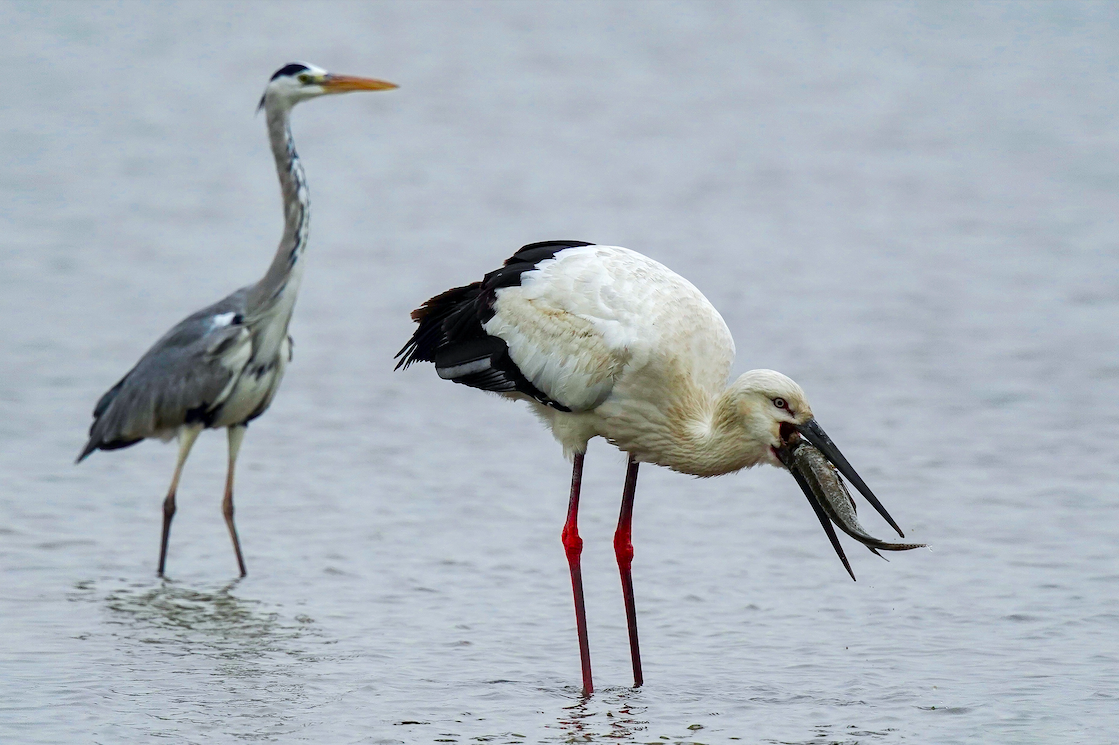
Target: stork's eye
(780,403)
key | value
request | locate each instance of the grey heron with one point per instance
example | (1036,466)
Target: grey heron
(602,341)
(221,366)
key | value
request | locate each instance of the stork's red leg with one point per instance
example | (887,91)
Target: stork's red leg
(623,549)
(573,544)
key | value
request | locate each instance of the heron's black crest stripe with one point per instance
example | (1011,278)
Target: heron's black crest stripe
(452,336)
(292,68)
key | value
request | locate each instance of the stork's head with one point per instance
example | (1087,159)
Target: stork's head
(776,413)
(299,81)
(773,408)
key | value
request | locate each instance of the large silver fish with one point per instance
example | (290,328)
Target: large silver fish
(824,487)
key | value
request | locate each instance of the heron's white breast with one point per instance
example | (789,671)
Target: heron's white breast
(252,387)
(271,329)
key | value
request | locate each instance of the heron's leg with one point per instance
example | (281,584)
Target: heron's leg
(187,436)
(623,549)
(236,435)
(573,544)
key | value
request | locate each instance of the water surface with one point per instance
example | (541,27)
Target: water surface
(910,209)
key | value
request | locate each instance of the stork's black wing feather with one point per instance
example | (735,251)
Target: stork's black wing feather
(451,330)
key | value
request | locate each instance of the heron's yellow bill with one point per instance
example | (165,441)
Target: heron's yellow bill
(347,83)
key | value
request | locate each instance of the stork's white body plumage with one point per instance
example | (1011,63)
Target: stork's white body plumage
(633,349)
(603,341)
(638,355)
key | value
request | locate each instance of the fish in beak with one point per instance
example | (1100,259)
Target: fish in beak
(816,464)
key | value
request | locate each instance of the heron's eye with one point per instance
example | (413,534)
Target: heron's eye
(305,78)
(780,403)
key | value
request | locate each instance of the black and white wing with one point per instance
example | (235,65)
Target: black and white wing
(452,332)
(562,320)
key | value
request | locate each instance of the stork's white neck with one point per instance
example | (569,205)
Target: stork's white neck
(692,430)
(715,438)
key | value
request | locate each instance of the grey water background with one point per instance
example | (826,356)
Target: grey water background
(909,208)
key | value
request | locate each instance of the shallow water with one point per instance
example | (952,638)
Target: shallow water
(910,209)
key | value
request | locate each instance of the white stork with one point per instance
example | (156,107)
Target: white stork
(603,341)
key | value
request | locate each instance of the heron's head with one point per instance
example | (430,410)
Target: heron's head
(299,81)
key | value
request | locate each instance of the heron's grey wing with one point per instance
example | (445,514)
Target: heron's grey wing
(180,380)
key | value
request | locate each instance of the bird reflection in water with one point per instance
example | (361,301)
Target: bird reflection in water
(174,606)
(205,648)
(213,623)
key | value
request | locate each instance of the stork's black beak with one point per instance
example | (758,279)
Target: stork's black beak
(785,453)
(816,435)
(813,459)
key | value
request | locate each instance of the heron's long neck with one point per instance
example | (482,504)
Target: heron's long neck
(275,292)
